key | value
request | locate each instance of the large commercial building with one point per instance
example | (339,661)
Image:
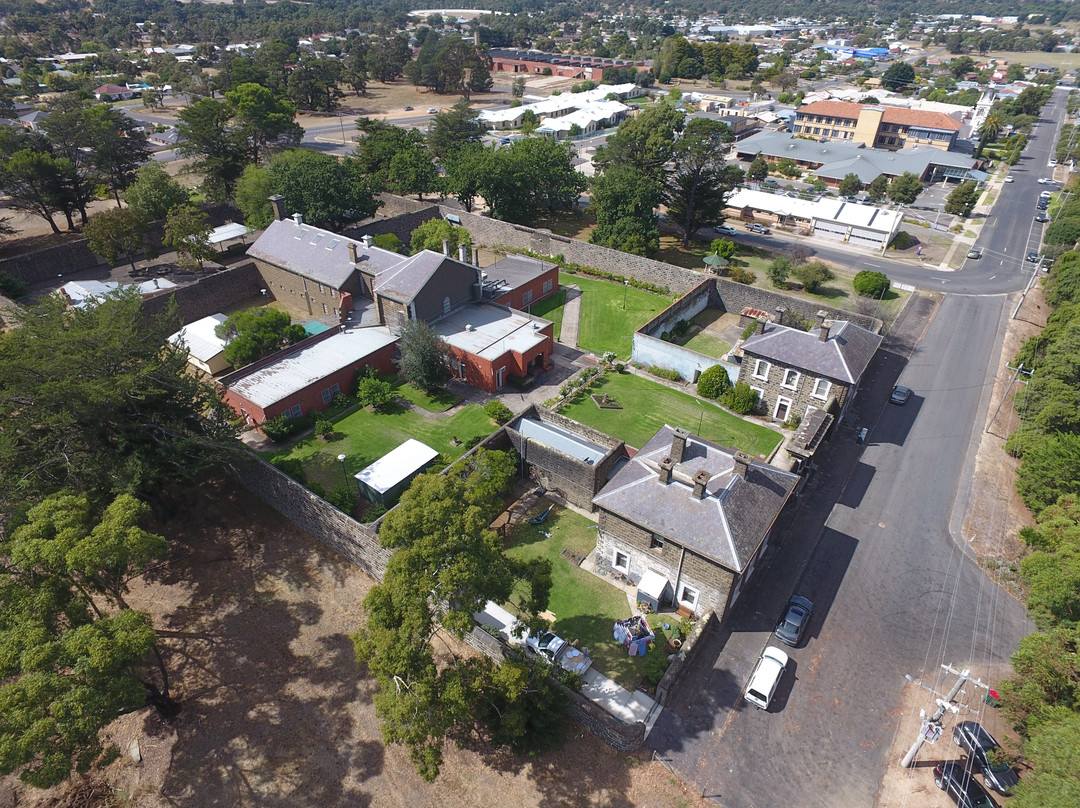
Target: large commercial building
(878,126)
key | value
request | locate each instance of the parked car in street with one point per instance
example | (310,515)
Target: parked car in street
(900,395)
(958,782)
(1041,217)
(794,620)
(433,111)
(754,227)
(725,229)
(1053,162)
(1033,257)
(985,754)
(975,253)
(1009,178)
(766,676)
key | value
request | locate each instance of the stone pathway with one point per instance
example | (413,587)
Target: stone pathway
(571,323)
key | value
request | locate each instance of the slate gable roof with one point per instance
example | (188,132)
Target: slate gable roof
(405,280)
(843,356)
(727,525)
(316,254)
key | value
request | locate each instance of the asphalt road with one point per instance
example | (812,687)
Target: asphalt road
(894,593)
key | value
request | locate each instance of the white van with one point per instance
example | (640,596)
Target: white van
(766,676)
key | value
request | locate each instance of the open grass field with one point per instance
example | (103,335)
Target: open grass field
(1062,61)
(363,437)
(611,313)
(585,606)
(648,405)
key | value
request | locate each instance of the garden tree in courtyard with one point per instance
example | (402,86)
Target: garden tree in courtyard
(850,185)
(71,650)
(624,200)
(422,358)
(115,233)
(905,188)
(412,172)
(255,333)
(878,189)
(154,193)
(447,564)
(114,407)
(758,169)
(700,182)
(187,230)
(431,234)
(961,199)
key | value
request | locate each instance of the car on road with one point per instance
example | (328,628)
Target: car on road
(794,620)
(1053,162)
(1045,194)
(975,252)
(504,141)
(1043,204)
(726,229)
(433,111)
(1009,178)
(1042,180)
(770,182)
(1033,257)
(985,753)
(758,228)
(766,676)
(900,395)
(1041,217)
(408,109)
(958,782)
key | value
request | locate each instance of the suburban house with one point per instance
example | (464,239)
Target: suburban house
(691,516)
(796,371)
(206,350)
(113,92)
(307,376)
(879,126)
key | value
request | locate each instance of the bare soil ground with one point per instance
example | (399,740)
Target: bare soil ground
(256,617)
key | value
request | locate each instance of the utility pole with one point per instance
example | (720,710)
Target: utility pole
(1008,389)
(931,728)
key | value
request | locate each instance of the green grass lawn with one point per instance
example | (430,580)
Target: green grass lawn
(551,308)
(709,344)
(440,402)
(611,313)
(585,606)
(363,437)
(647,406)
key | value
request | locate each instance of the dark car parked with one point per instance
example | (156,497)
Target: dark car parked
(958,782)
(985,755)
(793,622)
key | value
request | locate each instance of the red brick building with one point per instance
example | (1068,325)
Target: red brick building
(305,377)
(518,281)
(507,60)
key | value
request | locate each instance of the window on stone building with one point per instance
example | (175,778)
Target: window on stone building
(821,389)
(657,542)
(621,562)
(688,596)
(791,379)
(761,370)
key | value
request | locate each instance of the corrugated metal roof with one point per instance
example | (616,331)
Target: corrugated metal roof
(200,339)
(396,465)
(304,365)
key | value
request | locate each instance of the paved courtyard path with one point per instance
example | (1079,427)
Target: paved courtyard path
(571,317)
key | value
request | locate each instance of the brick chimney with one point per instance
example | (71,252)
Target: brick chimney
(678,444)
(780,312)
(665,470)
(277,202)
(701,479)
(476,256)
(352,252)
(760,329)
(823,332)
(742,463)
(821,315)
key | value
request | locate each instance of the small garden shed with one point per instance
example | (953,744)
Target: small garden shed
(653,589)
(383,481)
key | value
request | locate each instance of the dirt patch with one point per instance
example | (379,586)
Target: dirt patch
(256,619)
(995,512)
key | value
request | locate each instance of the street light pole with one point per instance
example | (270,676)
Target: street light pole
(626,285)
(345,474)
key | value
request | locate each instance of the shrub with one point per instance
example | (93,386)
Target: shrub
(713,382)
(742,275)
(323,428)
(656,662)
(871,284)
(750,329)
(813,275)
(280,427)
(292,467)
(901,241)
(664,373)
(372,390)
(343,498)
(740,398)
(779,270)
(388,241)
(498,412)
(11,287)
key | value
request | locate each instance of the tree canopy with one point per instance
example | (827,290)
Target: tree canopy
(422,356)
(255,333)
(700,183)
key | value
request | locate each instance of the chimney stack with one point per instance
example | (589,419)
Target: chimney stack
(298,218)
(665,470)
(678,444)
(823,332)
(760,329)
(352,252)
(742,463)
(701,479)
(277,202)
(463,253)
(445,247)
(780,312)
(476,256)
(368,240)
(821,315)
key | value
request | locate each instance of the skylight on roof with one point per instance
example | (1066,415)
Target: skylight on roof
(300,234)
(317,238)
(333,243)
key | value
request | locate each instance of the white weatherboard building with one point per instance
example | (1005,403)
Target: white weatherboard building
(384,480)
(830,217)
(206,350)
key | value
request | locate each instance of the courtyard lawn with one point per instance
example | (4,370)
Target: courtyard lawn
(585,606)
(440,402)
(648,405)
(551,308)
(611,313)
(709,344)
(363,437)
